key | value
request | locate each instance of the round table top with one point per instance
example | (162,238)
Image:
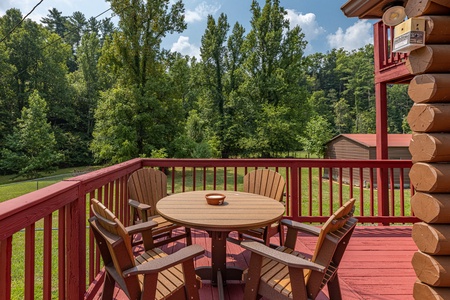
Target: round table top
(239,211)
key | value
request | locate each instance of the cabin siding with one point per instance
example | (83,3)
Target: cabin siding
(342,147)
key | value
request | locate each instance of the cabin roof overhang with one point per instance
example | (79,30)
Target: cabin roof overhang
(366,9)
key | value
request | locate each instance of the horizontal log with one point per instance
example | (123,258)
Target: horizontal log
(437,29)
(430,147)
(429,118)
(429,59)
(432,239)
(433,270)
(428,88)
(415,8)
(431,208)
(430,177)
(424,291)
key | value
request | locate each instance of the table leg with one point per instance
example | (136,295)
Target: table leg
(218,261)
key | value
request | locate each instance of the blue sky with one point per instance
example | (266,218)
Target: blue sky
(322,21)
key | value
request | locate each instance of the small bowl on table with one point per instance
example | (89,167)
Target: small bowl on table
(215,198)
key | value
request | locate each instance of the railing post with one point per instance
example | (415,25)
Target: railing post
(295,195)
(382,147)
(76,249)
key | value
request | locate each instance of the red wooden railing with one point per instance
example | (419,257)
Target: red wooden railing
(389,66)
(47,251)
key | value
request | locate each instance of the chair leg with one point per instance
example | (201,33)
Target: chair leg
(281,233)
(108,287)
(334,289)
(188,236)
(252,280)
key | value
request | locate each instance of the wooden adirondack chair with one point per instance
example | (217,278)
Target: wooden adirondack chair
(284,273)
(145,188)
(267,183)
(151,275)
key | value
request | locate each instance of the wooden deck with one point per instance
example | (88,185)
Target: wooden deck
(377,264)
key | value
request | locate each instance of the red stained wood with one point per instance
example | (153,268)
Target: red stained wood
(376,265)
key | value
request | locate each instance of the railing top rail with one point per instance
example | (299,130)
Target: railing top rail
(278,162)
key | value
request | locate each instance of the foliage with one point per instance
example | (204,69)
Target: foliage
(31,148)
(317,133)
(113,93)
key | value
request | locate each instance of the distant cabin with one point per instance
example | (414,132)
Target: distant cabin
(363,146)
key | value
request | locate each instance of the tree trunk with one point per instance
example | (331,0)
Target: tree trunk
(432,239)
(434,147)
(431,208)
(431,178)
(429,118)
(424,291)
(429,59)
(427,88)
(432,270)
(415,8)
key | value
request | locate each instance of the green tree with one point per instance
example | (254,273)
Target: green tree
(275,79)
(134,61)
(318,132)
(31,149)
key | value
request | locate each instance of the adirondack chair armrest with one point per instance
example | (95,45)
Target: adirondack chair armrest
(281,257)
(301,227)
(141,227)
(163,263)
(138,205)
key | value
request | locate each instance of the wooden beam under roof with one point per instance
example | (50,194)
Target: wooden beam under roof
(366,9)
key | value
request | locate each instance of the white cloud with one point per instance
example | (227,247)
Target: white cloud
(356,36)
(201,12)
(184,47)
(307,23)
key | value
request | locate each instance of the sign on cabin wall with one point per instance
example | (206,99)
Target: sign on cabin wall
(409,35)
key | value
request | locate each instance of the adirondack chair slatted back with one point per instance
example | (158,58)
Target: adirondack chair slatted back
(147,186)
(265,182)
(285,273)
(110,231)
(331,244)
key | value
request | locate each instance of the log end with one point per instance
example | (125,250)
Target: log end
(424,291)
(431,269)
(431,208)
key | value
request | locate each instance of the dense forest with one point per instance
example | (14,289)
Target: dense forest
(77,91)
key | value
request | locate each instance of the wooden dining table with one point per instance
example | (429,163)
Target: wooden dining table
(239,211)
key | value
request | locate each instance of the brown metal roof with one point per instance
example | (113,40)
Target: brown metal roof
(366,9)
(370,140)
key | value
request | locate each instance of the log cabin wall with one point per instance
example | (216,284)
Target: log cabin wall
(429,118)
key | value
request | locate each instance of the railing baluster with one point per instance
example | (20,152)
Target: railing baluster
(47,274)
(30,238)
(5,268)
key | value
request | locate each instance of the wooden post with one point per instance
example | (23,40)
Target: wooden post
(430,147)
(382,147)
(429,117)
(431,208)
(428,88)
(416,8)
(432,239)
(429,59)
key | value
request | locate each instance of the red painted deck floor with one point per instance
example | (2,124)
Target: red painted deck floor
(376,265)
